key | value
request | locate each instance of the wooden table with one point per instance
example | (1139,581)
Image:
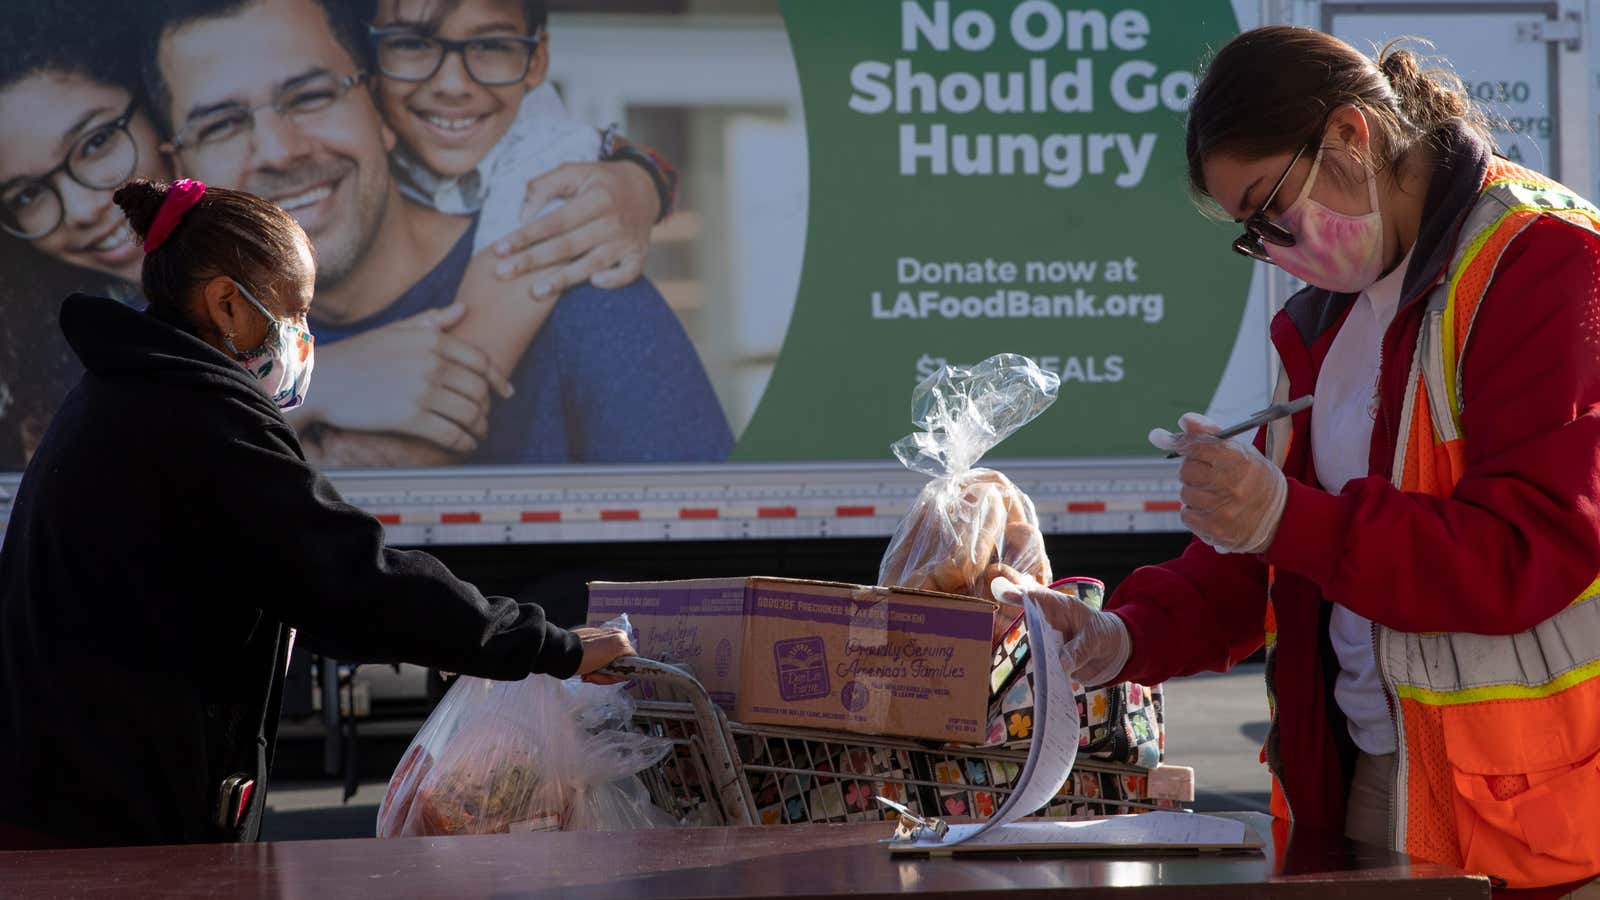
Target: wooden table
(813,861)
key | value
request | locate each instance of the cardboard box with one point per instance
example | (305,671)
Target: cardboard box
(815,654)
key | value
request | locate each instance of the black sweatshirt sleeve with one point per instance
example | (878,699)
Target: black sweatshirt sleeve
(308,558)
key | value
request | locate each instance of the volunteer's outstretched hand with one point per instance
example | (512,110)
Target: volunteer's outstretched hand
(1097,643)
(1233,497)
(601,648)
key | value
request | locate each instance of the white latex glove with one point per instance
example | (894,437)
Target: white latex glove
(1097,643)
(1233,497)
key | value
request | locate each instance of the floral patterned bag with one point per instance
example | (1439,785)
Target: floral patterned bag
(1121,723)
(798,779)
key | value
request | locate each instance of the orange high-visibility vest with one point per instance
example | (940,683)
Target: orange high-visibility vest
(1499,735)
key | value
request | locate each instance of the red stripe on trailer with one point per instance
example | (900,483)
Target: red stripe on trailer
(388,518)
(845,512)
(541,515)
(1163,506)
(619,515)
(697,513)
(1093,507)
(776,512)
(460,518)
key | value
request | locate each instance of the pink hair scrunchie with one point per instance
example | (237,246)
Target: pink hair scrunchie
(181,197)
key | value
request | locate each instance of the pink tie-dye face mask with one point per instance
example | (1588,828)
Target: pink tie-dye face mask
(1334,251)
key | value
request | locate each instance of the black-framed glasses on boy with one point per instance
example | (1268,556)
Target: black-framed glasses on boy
(492,60)
(1259,230)
(103,158)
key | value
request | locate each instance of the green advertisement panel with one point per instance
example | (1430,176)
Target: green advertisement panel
(994,178)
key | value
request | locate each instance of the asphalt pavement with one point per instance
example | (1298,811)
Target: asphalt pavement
(1215,724)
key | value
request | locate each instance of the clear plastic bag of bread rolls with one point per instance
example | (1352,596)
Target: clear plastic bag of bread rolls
(969,525)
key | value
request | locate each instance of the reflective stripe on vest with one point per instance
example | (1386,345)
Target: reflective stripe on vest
(1499,735)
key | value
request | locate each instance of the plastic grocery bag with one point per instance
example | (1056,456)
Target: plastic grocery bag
(538,754)
(969,525)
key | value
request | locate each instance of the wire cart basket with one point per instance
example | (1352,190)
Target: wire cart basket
(726,773)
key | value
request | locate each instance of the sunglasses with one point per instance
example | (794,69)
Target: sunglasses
(1259,230)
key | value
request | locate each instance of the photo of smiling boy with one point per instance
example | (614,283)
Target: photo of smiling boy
(462,84)
(481,131)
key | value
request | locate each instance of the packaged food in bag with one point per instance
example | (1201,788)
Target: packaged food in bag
(538,754)
(969,525)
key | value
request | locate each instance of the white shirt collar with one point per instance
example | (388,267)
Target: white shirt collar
(1384,294)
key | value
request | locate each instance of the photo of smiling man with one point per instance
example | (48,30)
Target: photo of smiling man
(274,97)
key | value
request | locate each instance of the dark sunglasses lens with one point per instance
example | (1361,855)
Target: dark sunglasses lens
(1250,245)
(1272,233)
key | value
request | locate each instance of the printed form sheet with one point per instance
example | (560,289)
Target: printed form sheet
(1055,735)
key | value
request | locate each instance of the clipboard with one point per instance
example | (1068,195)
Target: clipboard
(1160,832)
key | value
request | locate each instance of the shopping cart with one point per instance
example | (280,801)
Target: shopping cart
(726,773)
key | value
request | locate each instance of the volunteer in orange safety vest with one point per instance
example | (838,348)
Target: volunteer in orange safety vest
(1419,549)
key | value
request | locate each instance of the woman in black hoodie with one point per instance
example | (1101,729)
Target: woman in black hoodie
(168,539)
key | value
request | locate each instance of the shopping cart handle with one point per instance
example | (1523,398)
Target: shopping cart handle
(643,668)
(715,738)
(634,666)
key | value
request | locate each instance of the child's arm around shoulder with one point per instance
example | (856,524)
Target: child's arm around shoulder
(589,219)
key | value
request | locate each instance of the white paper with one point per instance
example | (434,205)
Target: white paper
(1160,829)
(1054,747)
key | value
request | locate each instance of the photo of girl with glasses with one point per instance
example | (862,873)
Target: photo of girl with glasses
(71,131)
